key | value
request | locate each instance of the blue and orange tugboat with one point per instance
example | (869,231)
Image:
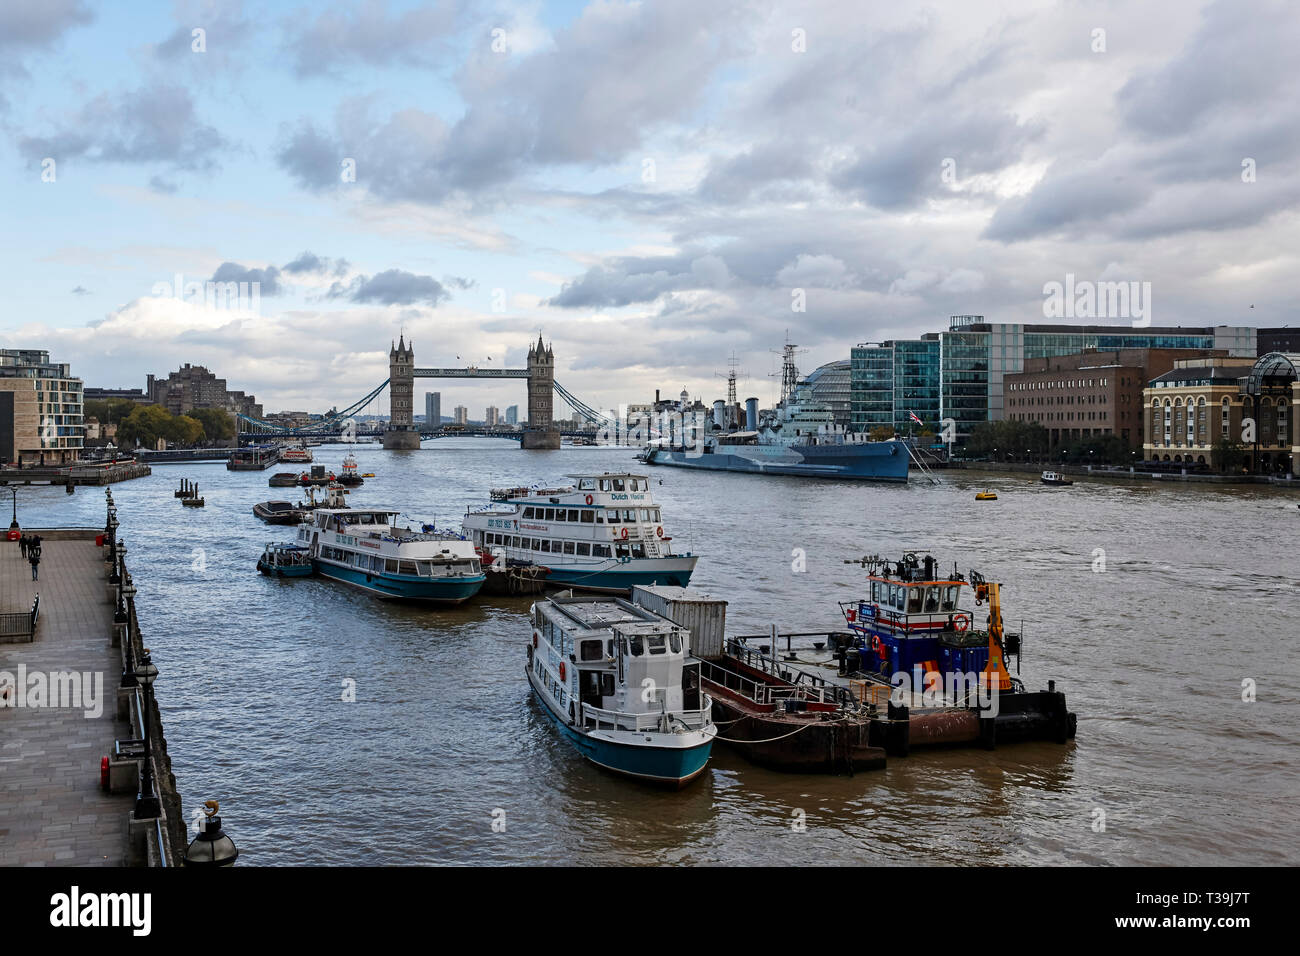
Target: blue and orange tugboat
(912,632)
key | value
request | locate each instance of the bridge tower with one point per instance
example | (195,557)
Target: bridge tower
(541,432)
(401,432)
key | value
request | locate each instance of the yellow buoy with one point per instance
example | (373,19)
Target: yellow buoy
(985,496)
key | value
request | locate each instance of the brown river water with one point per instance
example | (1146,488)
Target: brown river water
(1198,596)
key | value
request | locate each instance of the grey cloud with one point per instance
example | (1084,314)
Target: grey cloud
(234,272)
(156,124)
(370,36)
(392,287)
(308,263)
(35,25)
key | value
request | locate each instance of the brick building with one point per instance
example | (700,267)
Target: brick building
(193,386)
(1089,393)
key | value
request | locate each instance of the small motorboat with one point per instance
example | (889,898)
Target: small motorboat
(285,561)
(1055,478)
(283,479)
(279,512)
(986,496)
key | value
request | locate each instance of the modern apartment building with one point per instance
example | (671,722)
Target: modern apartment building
(40,409)
(960,373)
(433,409)
(461,415)
(491,416)
(512,415)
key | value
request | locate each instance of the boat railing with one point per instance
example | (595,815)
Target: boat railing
(802,685)
(597,718)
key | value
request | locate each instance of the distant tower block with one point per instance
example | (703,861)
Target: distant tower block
(401,432)
(540,432)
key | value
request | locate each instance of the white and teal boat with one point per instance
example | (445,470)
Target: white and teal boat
(364,547)
(602,533)
(615,679)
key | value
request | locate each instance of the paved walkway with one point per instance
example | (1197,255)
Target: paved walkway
(52,811)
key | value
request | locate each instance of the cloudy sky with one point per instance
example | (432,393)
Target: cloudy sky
(650,185)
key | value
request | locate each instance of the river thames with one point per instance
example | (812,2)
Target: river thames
(1156,608)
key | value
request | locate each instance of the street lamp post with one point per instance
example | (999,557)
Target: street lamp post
(146,803)
(13,525)
(211,847)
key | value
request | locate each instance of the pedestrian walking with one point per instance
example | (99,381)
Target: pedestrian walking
(22,543)
(35,561)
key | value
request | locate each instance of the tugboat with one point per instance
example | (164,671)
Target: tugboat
(1055,478)
(911,632)
(350,476)
(615,679)
(366,548)
(603,533)
(285,561)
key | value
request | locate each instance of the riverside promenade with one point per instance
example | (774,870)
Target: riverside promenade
(53,811)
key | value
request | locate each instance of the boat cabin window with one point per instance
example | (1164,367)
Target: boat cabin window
(528,512)
(618,484)
(592,650)
(600,551)
(658,644)
(390,566)
(675,642)
(612,516)
(568,547)
(932,599)
(573,514)
(546,545)
(549,515)
(604,484)
(654,515)
(407,567)
(584,549)
(629,514)
(950,597)
(638,550)
(586,484)
(645,514)
(914,599)
(607,684)
(588,517)
(637,648)
(559,514)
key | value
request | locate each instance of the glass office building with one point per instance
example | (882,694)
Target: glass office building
(959,373)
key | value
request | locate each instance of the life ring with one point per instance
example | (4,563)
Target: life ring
(659,532)
(961,622)
(875,643)
(534,638)
(561,670)
(589,499)
(624,534)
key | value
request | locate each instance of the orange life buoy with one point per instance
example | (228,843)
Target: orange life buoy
(961,622)
(561,670)
(659,532)
(875,643)
(589,499)
(624,534)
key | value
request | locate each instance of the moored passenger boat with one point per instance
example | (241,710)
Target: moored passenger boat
(615,679)
(364,547)
(603,533)
(298,454)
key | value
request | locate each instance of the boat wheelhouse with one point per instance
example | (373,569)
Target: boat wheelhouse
(284,560)
(364,547)
(349,475)
(912,622)
(602,533)
(616,680)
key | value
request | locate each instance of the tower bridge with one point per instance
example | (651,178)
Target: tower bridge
(402,430)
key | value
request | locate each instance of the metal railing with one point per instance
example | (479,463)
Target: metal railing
(601,719)
(20,623)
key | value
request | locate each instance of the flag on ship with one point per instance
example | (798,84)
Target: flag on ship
(912,416)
